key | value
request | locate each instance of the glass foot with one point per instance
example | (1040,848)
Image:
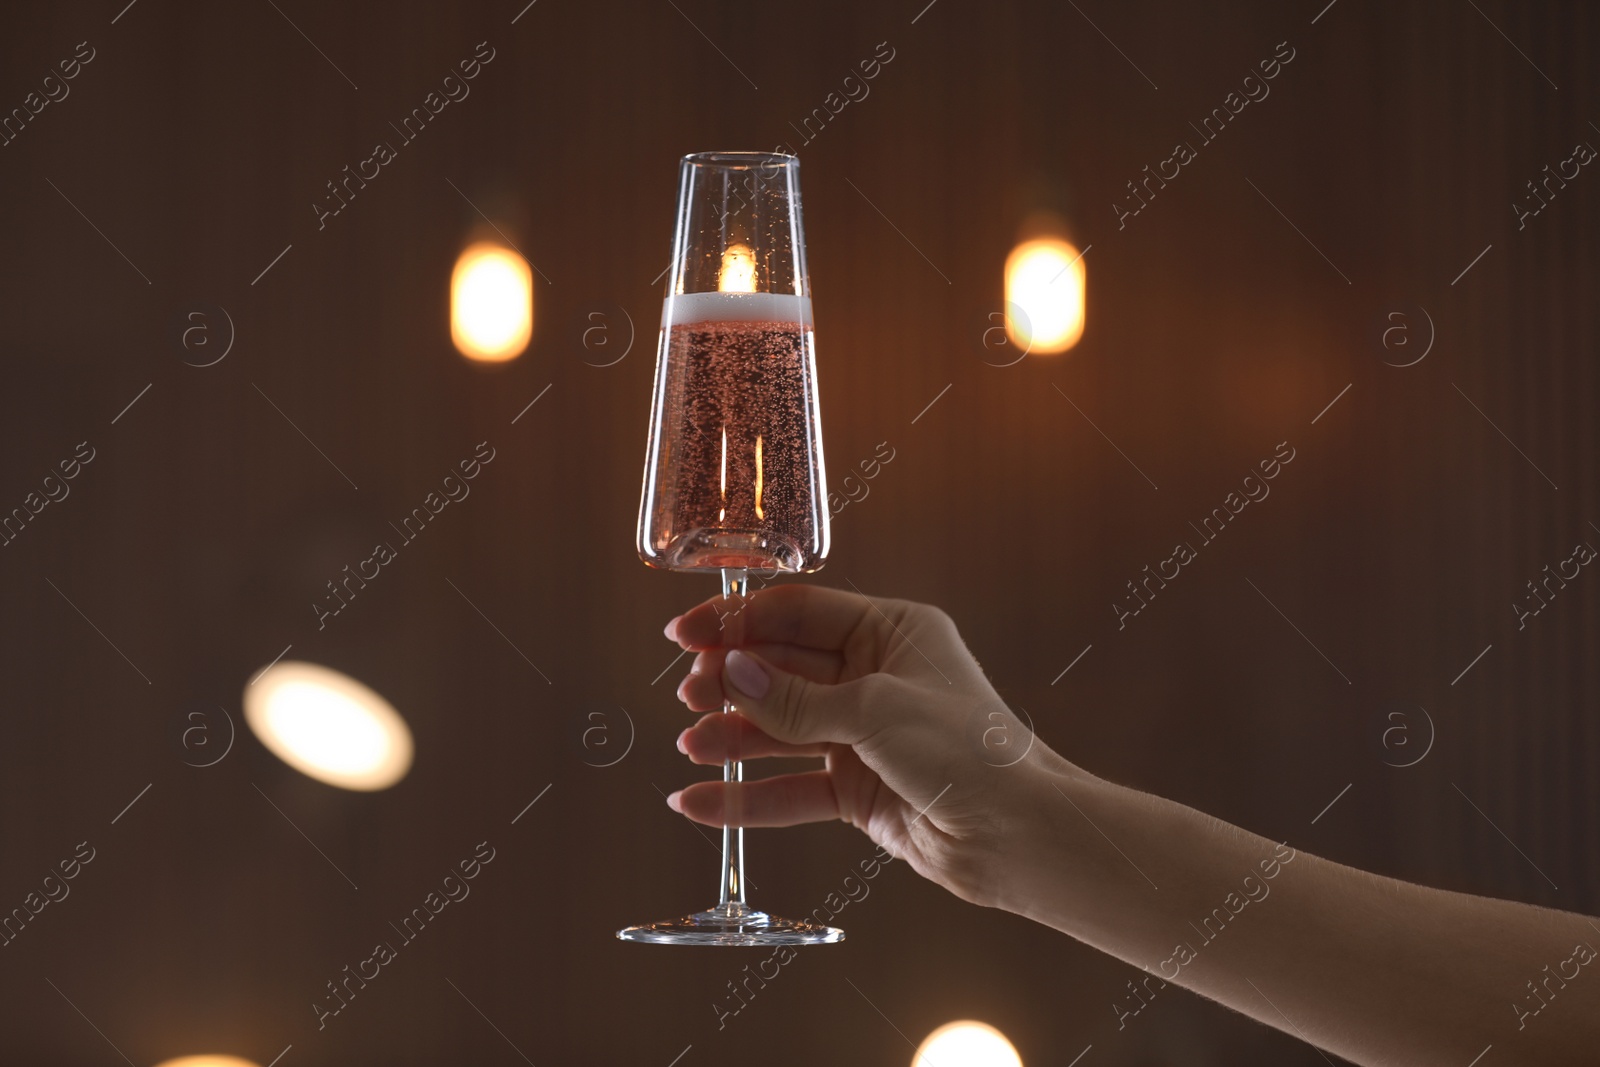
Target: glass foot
(733,924)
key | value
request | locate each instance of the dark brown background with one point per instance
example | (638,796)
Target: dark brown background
(1397,540)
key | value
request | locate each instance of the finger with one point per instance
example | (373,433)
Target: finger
(792,708)
(808,615)
(701,688)
(723,737)
(787,800)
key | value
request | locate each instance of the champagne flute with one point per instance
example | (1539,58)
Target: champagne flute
(733,479)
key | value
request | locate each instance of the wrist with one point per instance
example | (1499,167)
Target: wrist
(1036,856)
(1081,853)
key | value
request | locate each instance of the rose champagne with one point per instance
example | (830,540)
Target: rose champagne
(736,475)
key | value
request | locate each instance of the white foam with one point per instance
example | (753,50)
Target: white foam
(685,308)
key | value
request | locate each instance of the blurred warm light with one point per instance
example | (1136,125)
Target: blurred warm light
(491,303)
(966,1044)
(1044,281)
(738,273)
(328,725)
(207,1061)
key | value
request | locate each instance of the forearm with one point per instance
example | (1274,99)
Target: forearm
(1377,970)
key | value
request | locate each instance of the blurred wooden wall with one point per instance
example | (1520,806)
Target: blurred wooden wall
(1223,319)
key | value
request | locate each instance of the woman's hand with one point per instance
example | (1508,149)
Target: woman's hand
(920,752)
(918,749)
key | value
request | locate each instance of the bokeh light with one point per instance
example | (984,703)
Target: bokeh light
(966,1043)
(738,274)
(1045,281)
(328,725)
(491,303)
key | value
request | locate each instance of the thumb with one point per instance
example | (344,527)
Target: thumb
(790,708)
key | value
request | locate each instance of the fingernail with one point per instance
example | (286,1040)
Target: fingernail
(672,624)
(681,747)
(673,803)
(747,675)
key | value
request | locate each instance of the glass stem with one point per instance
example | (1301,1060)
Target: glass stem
(735,585)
